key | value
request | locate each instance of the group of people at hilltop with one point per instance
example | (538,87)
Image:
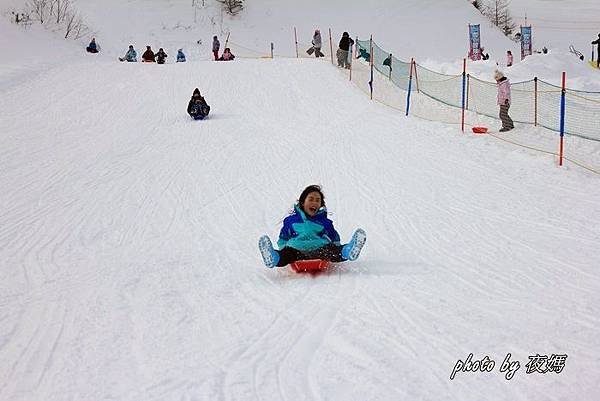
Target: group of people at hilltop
(160,57)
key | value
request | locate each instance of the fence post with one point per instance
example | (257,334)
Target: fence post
(330,46)
(464,74)
(535,100)
(562,117)
(468,87)
(350,56)
(416,75)
(370,62)
(409,86)
(296,41)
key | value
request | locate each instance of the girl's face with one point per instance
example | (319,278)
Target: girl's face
(312,204)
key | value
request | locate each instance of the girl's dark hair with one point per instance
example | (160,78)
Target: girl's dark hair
(309,189)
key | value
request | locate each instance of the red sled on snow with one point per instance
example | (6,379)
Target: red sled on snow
(480,130)
(310,266)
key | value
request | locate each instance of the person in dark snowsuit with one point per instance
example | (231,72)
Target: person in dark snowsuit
(197,108)
(148,55)
(180,56)
(597,42)
(161,56)
(344,47)
(92,47)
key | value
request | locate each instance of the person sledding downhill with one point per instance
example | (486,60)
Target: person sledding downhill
(308,234)
(197,108)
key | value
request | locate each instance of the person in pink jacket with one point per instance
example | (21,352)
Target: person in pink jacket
(504,101)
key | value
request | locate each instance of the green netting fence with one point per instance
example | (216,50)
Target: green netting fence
(534,102)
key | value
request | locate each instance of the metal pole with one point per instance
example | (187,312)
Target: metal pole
(535,101)
(296,41)
(330,46)
(409,86)
(562,118)
(370,62)
(464,84)
(468,87)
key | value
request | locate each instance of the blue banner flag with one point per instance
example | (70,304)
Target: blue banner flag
(525,41)
(474,42)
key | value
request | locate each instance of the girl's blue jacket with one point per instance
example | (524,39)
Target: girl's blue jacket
(305,233)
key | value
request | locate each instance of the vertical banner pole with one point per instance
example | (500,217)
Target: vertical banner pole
(370,62)
(562,118)
(535,101)
(330,46)
(227,39)
(409,86)
(296,41)
(391,62)
(464,74)
(271,49)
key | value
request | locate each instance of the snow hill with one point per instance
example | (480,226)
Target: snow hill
(128,261)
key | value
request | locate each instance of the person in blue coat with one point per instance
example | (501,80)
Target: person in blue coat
(180,56)
(308,233)
(130,56)
(92,47)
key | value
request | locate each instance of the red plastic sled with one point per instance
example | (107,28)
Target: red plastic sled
(310,266)
(480,130)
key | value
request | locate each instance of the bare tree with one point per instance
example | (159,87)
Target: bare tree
(497,11)
(74,26)
(62,8)
(39,8)
(232,6)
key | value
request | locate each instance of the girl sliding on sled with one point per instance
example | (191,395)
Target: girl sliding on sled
(307,233)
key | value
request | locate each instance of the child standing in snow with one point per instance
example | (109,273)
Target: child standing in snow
(504,101)
(216,45)
(509,58)
(307,233)
(180,56)
(343,49)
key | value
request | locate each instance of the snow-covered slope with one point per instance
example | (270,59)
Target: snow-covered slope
(129,260)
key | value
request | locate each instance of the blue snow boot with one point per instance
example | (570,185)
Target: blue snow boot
(352,249)
(269,255)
